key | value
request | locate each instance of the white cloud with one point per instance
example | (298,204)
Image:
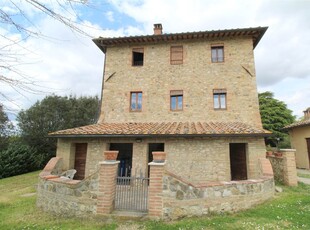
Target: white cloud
(110,16)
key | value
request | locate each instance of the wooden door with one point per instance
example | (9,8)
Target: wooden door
(238,166)
(308,147)
(80,160)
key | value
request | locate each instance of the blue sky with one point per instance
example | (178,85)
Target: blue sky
(68,63)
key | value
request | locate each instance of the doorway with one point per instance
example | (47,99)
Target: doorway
(125,158)
(80,160)
(238,165)
(154,147)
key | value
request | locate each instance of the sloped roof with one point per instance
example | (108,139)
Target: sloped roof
(256,34)
(163,129)
(298,124)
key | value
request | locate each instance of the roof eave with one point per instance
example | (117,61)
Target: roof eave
(101,47)
(295,126)
(263,31)
(158,135)
(180,36)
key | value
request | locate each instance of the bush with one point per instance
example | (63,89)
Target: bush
(17,159)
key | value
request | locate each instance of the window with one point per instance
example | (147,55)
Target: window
(219,98)
(136,101)
(176,100)
(137,56)
(217,53)
(176,55)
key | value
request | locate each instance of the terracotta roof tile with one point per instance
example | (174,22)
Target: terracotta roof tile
(163,128)
(298,123)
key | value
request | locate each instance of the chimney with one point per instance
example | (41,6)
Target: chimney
(307,114)
(158,29)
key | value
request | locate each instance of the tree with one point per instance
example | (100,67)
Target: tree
(5,128)
(275,115)
(17,17)
(51,114)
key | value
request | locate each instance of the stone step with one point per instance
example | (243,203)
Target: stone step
(129,214)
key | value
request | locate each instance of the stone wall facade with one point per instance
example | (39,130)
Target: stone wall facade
(197,77)
(207,155)
(95,148)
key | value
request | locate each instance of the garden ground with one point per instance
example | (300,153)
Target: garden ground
(288,210)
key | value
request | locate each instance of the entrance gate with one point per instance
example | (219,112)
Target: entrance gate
(131,193)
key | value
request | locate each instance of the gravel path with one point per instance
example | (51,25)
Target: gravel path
(301,179)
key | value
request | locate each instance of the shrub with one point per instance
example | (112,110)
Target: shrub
(17,159)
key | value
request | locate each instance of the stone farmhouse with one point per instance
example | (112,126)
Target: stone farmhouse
(300,140)
(181,109)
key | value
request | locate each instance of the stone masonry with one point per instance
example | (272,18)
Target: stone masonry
(284,167)
(66,197)
(181,198)
(93,195)
(197,77)
(208,155)
(170,196)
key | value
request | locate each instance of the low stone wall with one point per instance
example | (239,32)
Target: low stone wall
(182,199)
(284,167)
(170,196)
(277,166)
(66,197)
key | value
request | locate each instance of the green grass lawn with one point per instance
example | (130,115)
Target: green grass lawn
(288,210)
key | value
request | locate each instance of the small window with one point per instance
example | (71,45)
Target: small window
(219,98)
(176,55)
(136,101)
(217,53)
(176,100)
(137,56)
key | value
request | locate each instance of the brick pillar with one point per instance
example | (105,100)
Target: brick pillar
(107,182)
(155,199)
(289,167)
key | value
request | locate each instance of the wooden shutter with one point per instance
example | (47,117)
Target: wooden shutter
(176,55)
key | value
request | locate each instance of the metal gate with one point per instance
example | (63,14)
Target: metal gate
(132,193)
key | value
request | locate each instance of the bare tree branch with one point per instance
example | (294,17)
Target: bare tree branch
(12,48)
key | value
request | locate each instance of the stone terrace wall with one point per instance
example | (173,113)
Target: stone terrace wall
(68,198)
(182,199)
(64,196)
